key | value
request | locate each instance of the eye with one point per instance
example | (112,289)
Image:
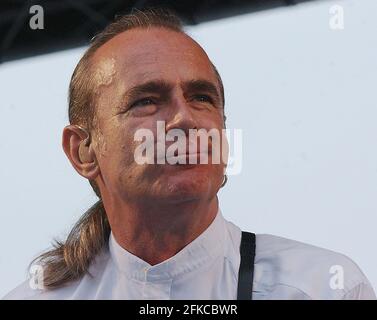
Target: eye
(203,98)
(143,102)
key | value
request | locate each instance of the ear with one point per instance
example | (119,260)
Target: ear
(79,150)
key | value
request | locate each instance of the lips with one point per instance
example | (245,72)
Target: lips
(184,157)
(188,158)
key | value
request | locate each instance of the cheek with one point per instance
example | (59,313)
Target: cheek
(114,147)
(210,120)
(123,146)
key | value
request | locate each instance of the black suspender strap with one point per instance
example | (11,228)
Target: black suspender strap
(246,271)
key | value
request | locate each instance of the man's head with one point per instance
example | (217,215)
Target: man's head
(140,70)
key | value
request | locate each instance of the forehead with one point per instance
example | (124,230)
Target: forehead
(142,54)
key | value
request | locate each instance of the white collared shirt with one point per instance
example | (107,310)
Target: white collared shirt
(207,268)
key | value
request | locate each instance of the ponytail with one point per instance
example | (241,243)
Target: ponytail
(70,260)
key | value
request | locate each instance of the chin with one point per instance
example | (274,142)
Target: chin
(188,186)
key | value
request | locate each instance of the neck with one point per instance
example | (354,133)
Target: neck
(156,233)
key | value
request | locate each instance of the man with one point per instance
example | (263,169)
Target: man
(157,231)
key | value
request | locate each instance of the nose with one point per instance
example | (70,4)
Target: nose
(181,114)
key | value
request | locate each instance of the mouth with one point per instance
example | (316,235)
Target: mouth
(188,158)
(183,155)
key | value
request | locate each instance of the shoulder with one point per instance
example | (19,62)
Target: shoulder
(83,288)
(284,265)
(25,291)
(22,291)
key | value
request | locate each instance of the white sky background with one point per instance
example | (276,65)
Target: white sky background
(304,95)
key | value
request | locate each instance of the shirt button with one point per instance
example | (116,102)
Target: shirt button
(145,273)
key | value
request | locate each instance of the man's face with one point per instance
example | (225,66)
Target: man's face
(144,76)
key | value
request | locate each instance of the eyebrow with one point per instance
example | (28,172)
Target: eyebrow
(201,85)
(163,88)
(156,86)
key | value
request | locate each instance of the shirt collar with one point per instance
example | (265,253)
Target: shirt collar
(206,247)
